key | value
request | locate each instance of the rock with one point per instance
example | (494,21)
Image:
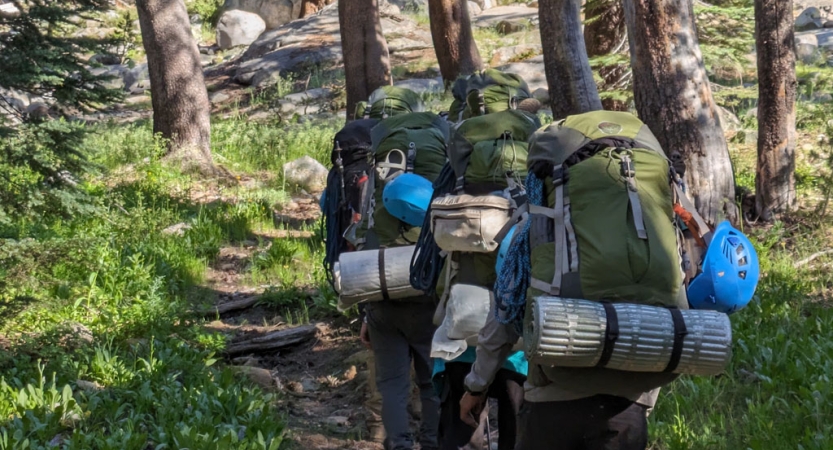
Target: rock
(750,137)
(9,11)
(310,385)
(350,373)
(17,99)
(309,95)
(38,110)
(403,44)
(474,9)
(80,332)
(137,79)
(505,55)
(273,12)
(411,6)
(258,375)
(219,97)
(752,112)
(822,97)
(177,230)
(729,121)
(423,86)
(337,421)
(531,70)
(90,386)
(542,95)
(485,4)
(137,99)
(105,59)
(237,28)
(306,173)
(507,19)
(809,19)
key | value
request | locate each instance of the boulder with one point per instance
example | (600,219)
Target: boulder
(17,99)
(807,48)
(542,95)
(485,4)
(474,9)
(531,70)
(423,86)
(306,173)
(9,11)
(236,28)
(729,122)
(137,79)
(809,19)
(309,95)
(404,44)
(505,55)
(219,97)
(750,137)
(507,19)
(273,12)
(410,5)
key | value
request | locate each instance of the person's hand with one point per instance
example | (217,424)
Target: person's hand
(364,335)
(470,408)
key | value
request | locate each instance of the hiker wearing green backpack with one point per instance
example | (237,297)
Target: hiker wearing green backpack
(472,201)
(594,283)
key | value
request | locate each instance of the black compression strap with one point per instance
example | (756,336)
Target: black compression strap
(680,332)
(611,333)
(383,282)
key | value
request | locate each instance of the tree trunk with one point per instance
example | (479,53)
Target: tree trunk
(673,97)
(775,177)
(569,77)
(181,110)
(453,41)
(605,34)
(366,59)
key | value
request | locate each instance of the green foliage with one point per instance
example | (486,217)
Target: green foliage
(727,37)
(208,10)
(40,53)
(128,41)
(776,393)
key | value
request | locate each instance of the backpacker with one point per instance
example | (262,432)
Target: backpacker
(490,91)
(347,185)
(601,226)
(414,143)
(388,101)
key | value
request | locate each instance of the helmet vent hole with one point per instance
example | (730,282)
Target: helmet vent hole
(739,249)
(742,261)
(742,274)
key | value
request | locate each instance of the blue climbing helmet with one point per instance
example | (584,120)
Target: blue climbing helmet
(407,198)
(729,274)
(504,248)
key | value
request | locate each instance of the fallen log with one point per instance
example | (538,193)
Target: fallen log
(273,341)
(236,305)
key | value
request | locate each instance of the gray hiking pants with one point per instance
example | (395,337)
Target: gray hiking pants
(401,332)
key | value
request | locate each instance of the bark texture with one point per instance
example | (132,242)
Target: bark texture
(366,57)
(569,77)
(775,176)
(604,34)
(454,44)
(673,97)
(181,110)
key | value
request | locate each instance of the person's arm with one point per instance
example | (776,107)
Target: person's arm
(494,345)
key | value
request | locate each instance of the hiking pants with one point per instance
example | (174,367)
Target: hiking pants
(507,389)
(601,422)
(400,333)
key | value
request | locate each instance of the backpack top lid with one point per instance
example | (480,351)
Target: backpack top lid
(556,142)
(353,136)
(518,124)
(388,101)
(411,121)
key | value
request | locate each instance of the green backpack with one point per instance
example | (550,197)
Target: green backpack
(388,101)
(412,142)
(607,230)
(486,92)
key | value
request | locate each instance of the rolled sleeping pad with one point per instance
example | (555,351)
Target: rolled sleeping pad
(639,338)
(374,275)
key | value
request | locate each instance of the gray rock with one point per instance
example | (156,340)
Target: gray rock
(822,97)
(809,19)
(531,70)
(423,86)
(309,95)
(752,112)
(306,173)
(9,11)
(177,229)
(237,28)
(505,55)
(337,421)
(137,79)
(105,59)
(17,99)
(474,9)
(410,5)
(507,18)
(750,137)
(728,120)
(403,44)
(219,97)
(485,4)
(310,385)
(542,95)
(266,70)
(273,12)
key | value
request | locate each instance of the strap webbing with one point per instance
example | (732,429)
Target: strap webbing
(383,282)
(572,254)
(560,255)
(702,228)
(611,334)
(680,332)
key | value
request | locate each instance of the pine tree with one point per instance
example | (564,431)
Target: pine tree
(41,55)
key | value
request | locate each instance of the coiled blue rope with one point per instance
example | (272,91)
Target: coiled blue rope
(513,279)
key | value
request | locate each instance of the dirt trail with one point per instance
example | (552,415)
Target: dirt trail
(321,383)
